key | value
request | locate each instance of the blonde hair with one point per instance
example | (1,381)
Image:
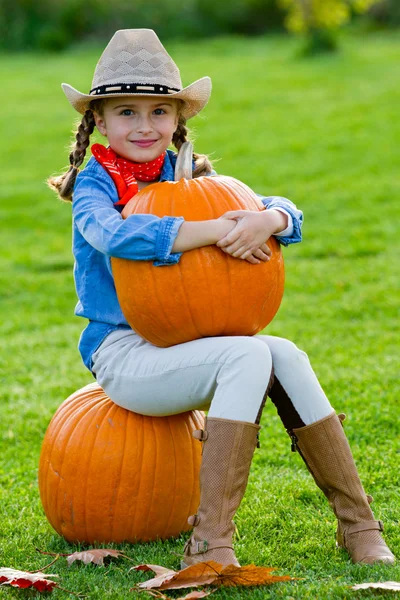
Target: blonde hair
(63,184)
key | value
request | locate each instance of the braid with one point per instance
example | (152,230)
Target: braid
(202,163)
(64,184)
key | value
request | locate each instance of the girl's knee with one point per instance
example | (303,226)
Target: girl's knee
(285,351)
(250,354)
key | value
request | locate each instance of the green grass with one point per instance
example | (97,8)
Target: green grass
(324,132)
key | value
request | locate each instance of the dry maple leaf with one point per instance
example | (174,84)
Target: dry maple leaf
(208,573)
(193,576)
(96,556)
(248,575)
(24,579)
(394,586)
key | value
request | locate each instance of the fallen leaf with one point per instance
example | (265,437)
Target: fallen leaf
(155,568)
(96,556)
(24,579)
(384,585)
(248,575)
(208,573)
(193,576)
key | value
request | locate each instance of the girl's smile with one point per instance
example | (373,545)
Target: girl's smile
(144,143)
(138,129)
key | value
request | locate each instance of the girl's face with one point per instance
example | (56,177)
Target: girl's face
(138,129)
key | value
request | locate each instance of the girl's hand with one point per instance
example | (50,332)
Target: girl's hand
(248,238)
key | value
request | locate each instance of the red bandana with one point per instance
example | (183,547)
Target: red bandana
(126,173)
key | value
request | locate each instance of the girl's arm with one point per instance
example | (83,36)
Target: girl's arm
(281,219)
(195,234)
(141,236)
(253,229)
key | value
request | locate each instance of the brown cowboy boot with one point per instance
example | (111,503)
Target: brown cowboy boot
(324,448)
(227,453)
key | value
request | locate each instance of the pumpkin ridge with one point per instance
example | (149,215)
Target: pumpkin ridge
(119,476)
(201,255)
(181,276)
(218,196)
(150,201)
(229,307)
(155,445)
(172,511)
(84,476)
(161,307)
(136,481)
(67,427)
(222,194)
(227,190)
(194,326)
(58,423)
(142,466)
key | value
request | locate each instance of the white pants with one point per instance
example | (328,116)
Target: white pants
(228,376)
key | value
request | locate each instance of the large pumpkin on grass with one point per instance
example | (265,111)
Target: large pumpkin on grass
(208,293)
(107,474)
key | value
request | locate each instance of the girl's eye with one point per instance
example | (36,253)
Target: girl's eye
(127,112)
(159,111)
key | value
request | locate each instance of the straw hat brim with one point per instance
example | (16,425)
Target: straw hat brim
(195,96)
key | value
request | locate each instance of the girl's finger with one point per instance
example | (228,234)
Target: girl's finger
(261,255)
(228,239)
(241,252)
(251,259)
(266,249)
(234,247)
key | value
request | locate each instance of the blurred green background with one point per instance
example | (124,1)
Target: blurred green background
(322,130)
(56,25)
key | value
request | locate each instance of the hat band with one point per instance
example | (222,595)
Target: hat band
(133,88)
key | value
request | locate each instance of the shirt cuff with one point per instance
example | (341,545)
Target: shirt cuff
(167,233)
(289,229)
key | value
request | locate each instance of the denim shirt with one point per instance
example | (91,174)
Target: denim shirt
(100,232)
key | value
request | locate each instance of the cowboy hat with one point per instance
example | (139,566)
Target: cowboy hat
(135,62)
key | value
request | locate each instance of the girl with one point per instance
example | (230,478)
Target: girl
(137,101)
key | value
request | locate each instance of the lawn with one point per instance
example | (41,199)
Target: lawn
(322,132)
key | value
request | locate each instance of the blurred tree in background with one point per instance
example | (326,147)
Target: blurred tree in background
(319,20)
(57,24)
(386,13)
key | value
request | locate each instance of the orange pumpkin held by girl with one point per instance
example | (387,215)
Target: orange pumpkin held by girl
(208,293)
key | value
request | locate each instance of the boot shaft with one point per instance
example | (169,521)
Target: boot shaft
(326,451)
(226,458)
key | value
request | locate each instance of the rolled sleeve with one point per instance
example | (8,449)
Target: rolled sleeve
(138,237)
(278,202)
(166,236)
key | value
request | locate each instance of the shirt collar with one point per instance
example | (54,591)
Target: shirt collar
(168,170)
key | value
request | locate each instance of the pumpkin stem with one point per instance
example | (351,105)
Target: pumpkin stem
(183,167)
